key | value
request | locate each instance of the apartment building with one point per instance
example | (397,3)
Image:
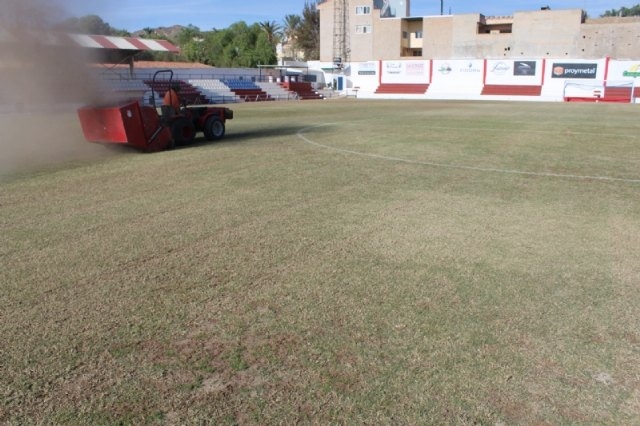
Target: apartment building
(364,30)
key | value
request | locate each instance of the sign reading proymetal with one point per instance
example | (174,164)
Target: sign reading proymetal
(574,70)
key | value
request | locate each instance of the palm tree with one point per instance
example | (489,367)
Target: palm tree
(273,32)
(290,32)
(308,37)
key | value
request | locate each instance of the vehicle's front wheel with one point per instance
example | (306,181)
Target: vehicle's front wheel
(214,129)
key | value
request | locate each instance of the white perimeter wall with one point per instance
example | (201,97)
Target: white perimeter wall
(526,72)
(456,79)
(558,73)
(465,79)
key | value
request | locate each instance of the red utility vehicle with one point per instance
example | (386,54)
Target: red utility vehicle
(152,128)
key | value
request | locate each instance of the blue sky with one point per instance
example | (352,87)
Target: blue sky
(134,15)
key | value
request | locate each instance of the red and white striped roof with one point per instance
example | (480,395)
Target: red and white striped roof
(122,43)
(85,41)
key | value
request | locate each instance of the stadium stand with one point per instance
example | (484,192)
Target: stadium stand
(125,88)
(189,94)
(303,89)
(276,91)
(214,91)
(248,91)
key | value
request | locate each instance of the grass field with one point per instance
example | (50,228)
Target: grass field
(336,262)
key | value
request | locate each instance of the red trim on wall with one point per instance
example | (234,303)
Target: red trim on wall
(606,68)
(484,73)
(544,70)
(430,71)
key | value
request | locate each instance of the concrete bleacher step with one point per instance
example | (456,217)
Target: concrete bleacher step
(247,91)
(303,90)
(252,95)
(276,91)
(188,93)
(215,91)
(121,89)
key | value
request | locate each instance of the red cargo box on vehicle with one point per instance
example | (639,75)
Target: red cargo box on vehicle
(125,124)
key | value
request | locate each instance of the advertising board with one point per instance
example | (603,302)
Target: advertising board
(405,72)
(514,72)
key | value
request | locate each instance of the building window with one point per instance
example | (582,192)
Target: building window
(363,29)
(417,52)
(418,34)
(405,35)
(363,10)
(495,28)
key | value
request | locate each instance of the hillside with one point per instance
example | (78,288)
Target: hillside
(170,33)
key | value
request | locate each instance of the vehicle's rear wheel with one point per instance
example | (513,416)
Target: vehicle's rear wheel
(214,129)
(183,131)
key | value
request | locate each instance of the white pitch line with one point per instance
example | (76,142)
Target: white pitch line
(301,135)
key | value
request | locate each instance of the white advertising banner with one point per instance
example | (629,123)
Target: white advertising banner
(366,69)
(462,73)
(405,72)
(624,70)
(514,72)
(364,75)
(578,73)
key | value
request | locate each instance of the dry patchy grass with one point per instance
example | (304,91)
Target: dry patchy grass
(266,280)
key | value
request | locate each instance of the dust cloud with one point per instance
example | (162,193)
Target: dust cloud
(43,81)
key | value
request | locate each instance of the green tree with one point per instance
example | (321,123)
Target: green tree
(239,51)
(273,31)
(214,45)
(194,51)
(623,11)
(90,24)
(308,34)
(291,26)
(120,33)
(148,32)
(191,43)
(264,51)
(240,45)
(188,34)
